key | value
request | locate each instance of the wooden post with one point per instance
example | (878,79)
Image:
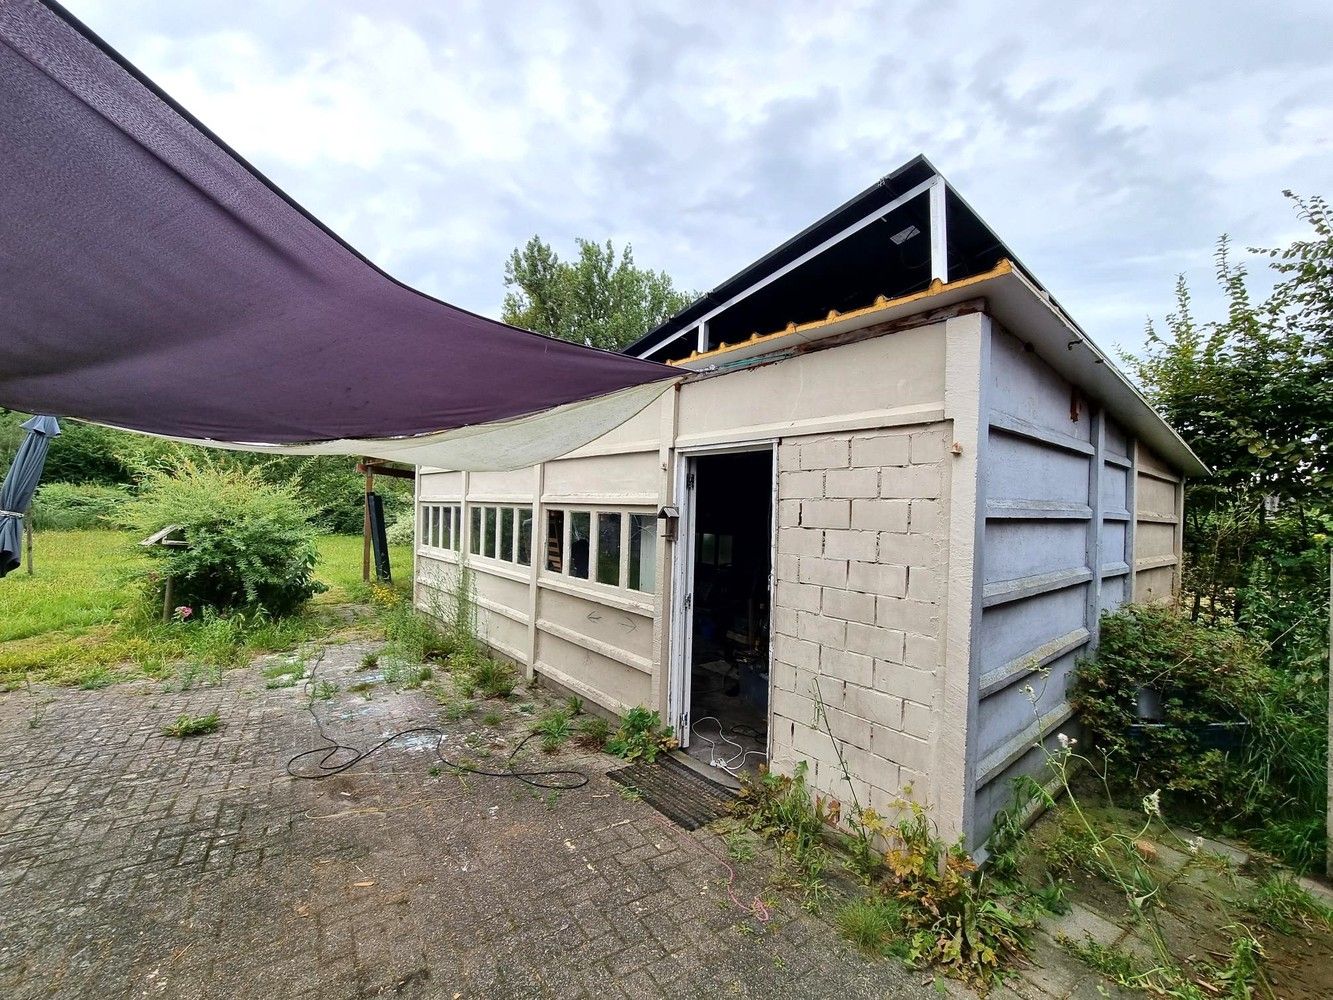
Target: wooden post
(27,531)
(166,601)
(365,530)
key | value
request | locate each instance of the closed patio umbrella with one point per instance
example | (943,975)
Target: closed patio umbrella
(19,486)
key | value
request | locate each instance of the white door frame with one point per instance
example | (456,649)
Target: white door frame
(682,570)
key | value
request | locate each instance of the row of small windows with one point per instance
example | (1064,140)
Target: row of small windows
(441,526)
(503,533)
(610,547)
(614,548)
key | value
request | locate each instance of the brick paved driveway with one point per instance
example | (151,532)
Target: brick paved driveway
(136,865)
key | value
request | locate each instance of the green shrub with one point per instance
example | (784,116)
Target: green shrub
(641,736)
(781,808)
(78,506)
(402,530)
(1241,745)
(249,542)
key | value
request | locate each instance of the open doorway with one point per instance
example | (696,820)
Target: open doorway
(728,600)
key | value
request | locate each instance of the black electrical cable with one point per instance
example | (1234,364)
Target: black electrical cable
(326,767)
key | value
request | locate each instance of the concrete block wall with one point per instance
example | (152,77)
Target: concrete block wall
(858,595)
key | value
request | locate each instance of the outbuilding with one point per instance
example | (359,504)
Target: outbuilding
(895,478)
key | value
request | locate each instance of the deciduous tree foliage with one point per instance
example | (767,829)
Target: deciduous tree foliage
(86,455)
(1253,394)
(600,298)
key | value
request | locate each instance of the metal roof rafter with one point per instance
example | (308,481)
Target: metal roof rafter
(934,185)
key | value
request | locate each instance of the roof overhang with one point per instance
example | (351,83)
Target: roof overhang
(1026,311)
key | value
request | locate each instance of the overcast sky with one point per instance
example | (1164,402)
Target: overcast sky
(1109,146)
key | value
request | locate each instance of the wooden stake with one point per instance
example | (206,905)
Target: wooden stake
(365,529)
(27,531)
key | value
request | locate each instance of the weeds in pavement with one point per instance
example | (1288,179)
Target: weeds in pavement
(641,736)
(593,732)
(555,729)
(193,725)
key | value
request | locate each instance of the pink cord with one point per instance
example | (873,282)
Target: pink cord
(756,908)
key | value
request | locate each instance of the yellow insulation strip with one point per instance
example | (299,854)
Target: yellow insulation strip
(881,304)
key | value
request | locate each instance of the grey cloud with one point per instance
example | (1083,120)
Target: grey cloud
(1109,149)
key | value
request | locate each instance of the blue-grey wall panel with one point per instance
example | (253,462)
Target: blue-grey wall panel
(1011,631)
(1017,549)
(1019,468)
(1113,592)
(1113,543)
(1114,480)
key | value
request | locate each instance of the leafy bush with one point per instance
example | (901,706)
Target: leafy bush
(641,736)
(1240,744)
(77,506)
(959,920)
(402,529)
(925,901)
(335,492)
(249,542)
(329,487)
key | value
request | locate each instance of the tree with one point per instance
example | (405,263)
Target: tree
(600,298)
(1253,395)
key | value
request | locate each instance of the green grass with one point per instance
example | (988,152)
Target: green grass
(193,725)
(874,924)
(79,615)
(80,582)
(1280,903)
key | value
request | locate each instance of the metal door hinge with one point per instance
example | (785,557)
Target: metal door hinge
(689,481)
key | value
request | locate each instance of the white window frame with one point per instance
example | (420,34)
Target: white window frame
(509,558)
(433,515)
(621,587)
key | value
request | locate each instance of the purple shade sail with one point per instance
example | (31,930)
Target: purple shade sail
(151,279)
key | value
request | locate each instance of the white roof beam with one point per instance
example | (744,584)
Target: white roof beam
(930,185)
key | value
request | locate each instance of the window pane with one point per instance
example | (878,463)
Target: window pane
(476,531)
(446,525)
(608,548)
(555,541)
(708,549)
(458,528)
(490,532)
(642,552)
(524,536)
(424,518)
(580,538)
(724,550)
(436,517)
(507,534)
